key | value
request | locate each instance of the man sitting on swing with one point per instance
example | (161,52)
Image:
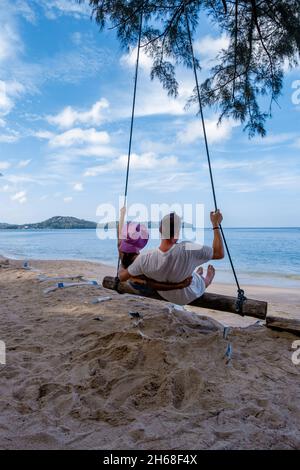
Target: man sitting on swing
(173,262)
(133,237)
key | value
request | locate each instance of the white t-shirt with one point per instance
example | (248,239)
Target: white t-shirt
(174,265)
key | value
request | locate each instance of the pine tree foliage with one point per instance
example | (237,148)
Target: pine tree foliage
(247,78)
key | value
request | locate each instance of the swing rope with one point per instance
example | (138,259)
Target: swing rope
(133,107)
(131,123)
(240,297)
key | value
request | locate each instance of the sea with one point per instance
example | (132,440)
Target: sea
(261,256)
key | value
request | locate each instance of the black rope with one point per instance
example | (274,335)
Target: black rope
(132,117)
(241,297)
(133,107)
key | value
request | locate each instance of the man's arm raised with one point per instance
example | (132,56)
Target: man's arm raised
(218,248)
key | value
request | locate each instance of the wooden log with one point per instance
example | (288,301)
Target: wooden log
(225,303)
(284,321)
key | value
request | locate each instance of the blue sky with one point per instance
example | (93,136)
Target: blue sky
(65,97)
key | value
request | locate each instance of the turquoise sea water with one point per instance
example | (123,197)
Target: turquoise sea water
(266,256)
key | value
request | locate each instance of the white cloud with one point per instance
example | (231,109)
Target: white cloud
(76,38)
(9,42)
(283,180)
(66,159)
(8,91)
(67,66)
(23,8)
(209,47)
(129,59)
(6,188)
(233,165)
(20,197)
(275,139)
(54,8)
(4,165)
(78,136)
(215,133)
(145,161)
(8,138)
(152,99)
(242,187)
(159,103)
(47,135)
(9,9)
(259,174)
(70,116)
(93,151)
(297,143)
(166,182)
(68,199)
(37,179)
(23,163)
(10,47)
(78,187)
(97,170)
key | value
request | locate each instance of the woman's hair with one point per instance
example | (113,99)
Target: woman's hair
(127,258)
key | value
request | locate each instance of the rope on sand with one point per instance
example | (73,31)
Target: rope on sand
(65,285)
(44,278)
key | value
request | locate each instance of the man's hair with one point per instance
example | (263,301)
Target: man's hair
(170,225)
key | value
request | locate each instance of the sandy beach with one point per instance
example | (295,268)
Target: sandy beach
(84,375)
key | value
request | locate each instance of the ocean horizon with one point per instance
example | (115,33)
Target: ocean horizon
(262,256)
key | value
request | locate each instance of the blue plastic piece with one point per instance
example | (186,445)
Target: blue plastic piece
(228,352)
(225,332)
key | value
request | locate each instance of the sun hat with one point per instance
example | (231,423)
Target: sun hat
(134,237)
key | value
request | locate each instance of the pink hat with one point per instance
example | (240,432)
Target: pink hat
(134,237)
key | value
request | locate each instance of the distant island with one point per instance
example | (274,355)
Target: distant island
(61,222)
(58,222)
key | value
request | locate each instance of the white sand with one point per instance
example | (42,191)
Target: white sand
(83,375)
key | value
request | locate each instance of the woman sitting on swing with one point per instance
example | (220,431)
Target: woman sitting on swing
(133,237)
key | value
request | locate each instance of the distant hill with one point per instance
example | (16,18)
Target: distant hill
(61,222)
(4,226)
(58,222)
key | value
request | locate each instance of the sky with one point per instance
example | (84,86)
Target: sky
(65,102)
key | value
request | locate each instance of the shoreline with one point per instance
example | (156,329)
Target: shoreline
(279,299)
(247,275)
(101,269)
